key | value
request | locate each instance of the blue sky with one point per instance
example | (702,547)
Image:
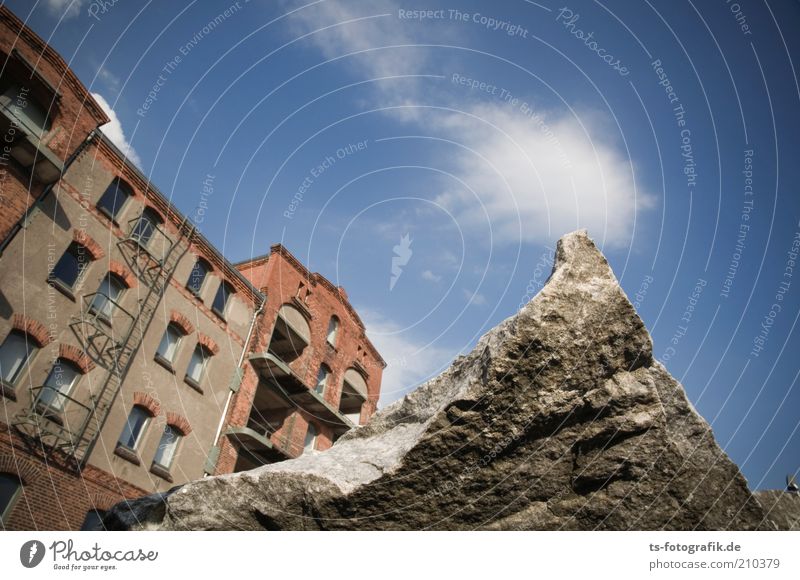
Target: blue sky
(462,142)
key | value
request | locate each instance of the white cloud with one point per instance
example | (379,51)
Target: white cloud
(67,8)
(540,177)
(474,298)
(113,130)
(409,360)
(545,173)
(430,276)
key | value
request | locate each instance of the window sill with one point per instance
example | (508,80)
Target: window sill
(161,472)
(108,215)
(219,314)
(194,384)
(62,287)
(7,391)
(164,363)
(127,454)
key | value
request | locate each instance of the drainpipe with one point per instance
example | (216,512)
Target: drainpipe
(28,213)
(245,350)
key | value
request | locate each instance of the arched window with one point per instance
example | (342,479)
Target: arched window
(333,330)
(222,298)
(71,266)
(16,351)
(29,114)
(146,226)
(198,276)
(167,447)
(197,365)
(108,295)
(322,379)
(134,428)
(311,438)
(113,199)
(10,487)
(62,379)
(169,343)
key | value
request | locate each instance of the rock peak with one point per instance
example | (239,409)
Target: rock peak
(560,418)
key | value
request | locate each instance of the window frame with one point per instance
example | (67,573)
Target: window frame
(169,361)
(178,437)
(140,436)
(205,356)
(54,279)
(154,220)
(310,445)
(123,286)
(223,285)
(333,331)
(322,368)
(121,186)
(30,350)
(5,513)
(58,394)
(208,270)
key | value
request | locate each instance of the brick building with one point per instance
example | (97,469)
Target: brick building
(133,355)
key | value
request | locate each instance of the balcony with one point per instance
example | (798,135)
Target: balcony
(102,328)
(54,418)
(278,377)
(259,440)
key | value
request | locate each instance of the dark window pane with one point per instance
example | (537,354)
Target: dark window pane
(14,353)
(198,276)
(93,521)
(9,487)
(221,299)
(69,268)
(134,427)
(114,197)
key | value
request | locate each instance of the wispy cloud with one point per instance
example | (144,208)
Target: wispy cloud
(67,8)
(474,298)
(536,174)
(113,130)
(410,361)
(430,276)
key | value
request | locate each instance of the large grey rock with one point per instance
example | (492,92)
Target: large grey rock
(782,507)
(560,418)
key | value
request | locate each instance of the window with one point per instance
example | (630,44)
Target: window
(93,522)
(197,277)
(10,486)
(134,428)
(146,226)
(311,438)
(333,329)
(30,115)
(108,293)
(169,343)
(322,379)
(70,267)
(62,378)
(114,198)
(197,364)
(15,352)
(165,454)
(221,299)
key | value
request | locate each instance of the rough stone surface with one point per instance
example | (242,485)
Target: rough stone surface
(781,507)
(560,418)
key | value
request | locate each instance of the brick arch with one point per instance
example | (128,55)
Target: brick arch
(33,328)
(123,273)
(181,322)
(208,343)
(26,471)
(95,250)
(76,356)
(105,501)
(179,422)
(147,401)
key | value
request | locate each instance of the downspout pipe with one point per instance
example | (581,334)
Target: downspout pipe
(245,351)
